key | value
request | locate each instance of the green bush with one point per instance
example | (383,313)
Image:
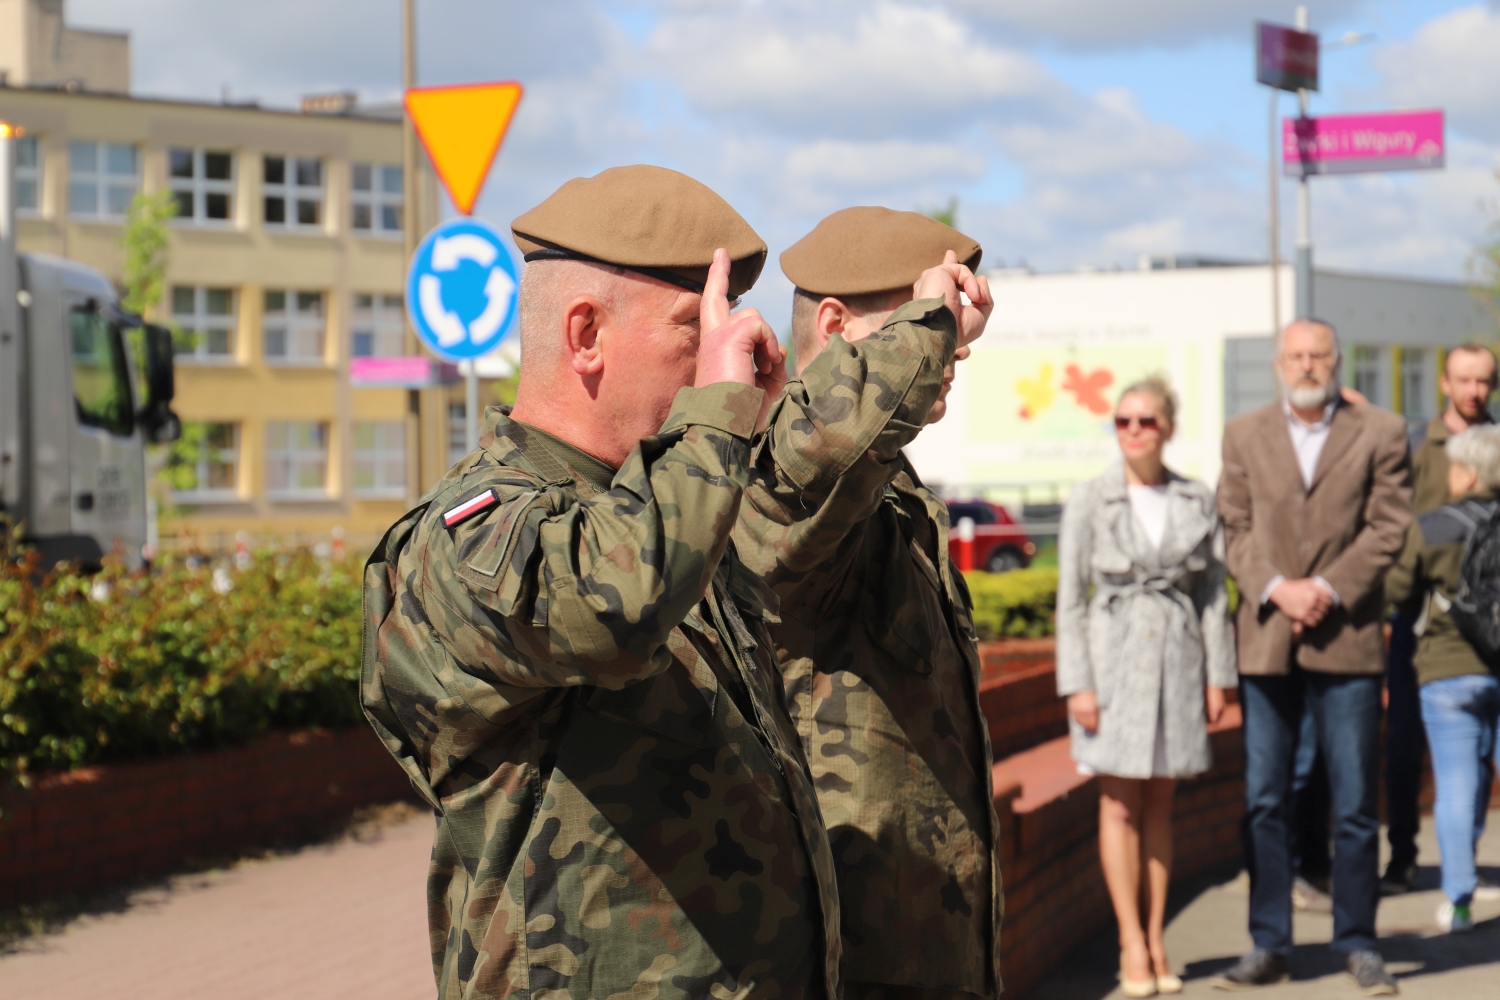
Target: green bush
(1021,603)
(194,654)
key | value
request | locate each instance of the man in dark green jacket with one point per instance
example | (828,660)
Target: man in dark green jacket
(1460,696)
(876,644)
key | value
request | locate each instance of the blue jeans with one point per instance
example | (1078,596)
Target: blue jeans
(1460,714)
(1346,716)
(1404,744)
(1309,822)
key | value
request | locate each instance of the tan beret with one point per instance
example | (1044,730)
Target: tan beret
(646,219)
(867,249)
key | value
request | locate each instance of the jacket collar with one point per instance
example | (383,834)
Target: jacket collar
(511,442)
(1190,516)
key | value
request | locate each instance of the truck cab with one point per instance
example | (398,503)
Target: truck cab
(84,386)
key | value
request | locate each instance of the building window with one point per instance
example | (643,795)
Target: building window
(378,328)
(380,458)
(296,459)
(204,322)
(1371,376)
(1418,391)
(376,198)
(293,192)
(293,326)
(205,462)
(28,175)
(102,178)
(202,182)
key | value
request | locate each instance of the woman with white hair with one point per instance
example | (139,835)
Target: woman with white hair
(1459,692)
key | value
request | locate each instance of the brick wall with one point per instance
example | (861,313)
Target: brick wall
(89,829)
(1018,694)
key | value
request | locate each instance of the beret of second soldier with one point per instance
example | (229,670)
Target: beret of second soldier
(862,250)
(646,219)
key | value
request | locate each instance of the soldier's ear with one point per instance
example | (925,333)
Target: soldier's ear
(832,320)
(582,320)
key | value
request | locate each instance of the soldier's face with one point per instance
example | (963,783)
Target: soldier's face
(940,408)
(658,341)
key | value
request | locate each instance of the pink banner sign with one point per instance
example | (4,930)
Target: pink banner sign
(400,372)
(1357,144)
(1285,57)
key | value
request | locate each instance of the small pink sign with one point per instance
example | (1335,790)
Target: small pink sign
(1355,144)
(400,372)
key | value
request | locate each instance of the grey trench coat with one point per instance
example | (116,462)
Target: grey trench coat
(1144,628)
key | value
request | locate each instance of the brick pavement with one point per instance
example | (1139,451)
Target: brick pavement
(343,920)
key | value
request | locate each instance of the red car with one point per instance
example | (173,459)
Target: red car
(1000,544)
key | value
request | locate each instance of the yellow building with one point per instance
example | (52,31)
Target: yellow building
(286,260)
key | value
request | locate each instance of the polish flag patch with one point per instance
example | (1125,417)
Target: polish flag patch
(470,507)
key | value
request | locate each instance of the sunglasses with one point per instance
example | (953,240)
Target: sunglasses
(1146,423)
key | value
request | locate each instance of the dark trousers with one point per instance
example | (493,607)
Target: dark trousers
(1405,743)
(1311,850)
(1346,717)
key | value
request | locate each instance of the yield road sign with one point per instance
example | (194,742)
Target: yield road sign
(462,128)
(461,290)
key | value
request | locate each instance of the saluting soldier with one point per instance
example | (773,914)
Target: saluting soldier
(876,644)
(565,655)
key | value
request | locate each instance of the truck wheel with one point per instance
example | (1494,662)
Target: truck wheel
(1004,560)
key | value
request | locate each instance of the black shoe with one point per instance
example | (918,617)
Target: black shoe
(1367,969)
(1259,968)
(1400,878)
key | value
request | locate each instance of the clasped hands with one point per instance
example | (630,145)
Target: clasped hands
(1306,602)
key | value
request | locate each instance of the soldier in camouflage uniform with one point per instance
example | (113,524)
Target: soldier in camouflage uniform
(876,644)
(564,654)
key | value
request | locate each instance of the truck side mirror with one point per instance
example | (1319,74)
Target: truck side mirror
(162,425)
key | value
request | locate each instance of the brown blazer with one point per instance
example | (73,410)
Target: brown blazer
(1348,529)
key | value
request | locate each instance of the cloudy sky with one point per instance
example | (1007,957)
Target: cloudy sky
(1073,132)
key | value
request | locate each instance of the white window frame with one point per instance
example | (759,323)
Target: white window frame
(31,173)
(292,193)
(102,179)
(297,325)
(458,432)
(383,319)
(377,198)
(199,186)
(1370,371)
(1417,365)
(384,455)
(199,321)
(209,494)
(294,456)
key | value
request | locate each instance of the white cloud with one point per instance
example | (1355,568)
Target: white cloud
(1112,24)
(1453,63)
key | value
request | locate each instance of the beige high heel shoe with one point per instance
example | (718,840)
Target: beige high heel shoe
(1170,983)
(1136,989)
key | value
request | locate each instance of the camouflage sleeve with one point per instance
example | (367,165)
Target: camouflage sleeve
(835,436)
(548,591)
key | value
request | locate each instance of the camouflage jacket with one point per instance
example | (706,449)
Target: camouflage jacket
(878,656)
(577,674)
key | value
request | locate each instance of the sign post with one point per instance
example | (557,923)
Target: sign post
(462,128)
(1287,59)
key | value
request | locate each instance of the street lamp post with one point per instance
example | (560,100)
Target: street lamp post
(1304,212)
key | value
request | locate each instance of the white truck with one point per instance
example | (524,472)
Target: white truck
(84,386)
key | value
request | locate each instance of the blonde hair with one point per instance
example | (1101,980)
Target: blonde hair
(1157,387)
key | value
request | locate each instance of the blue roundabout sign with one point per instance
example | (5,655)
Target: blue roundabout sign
(461,290)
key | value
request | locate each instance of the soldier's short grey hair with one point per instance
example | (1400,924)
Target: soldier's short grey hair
(547,286)
(1478,448)
(805,315)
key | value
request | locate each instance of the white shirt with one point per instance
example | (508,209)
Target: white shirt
(1149,505)
(1307,441)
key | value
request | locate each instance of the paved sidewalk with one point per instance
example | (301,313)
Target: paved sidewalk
(1208,932)
(343,920)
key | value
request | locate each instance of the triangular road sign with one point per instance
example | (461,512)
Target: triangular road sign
(462,128)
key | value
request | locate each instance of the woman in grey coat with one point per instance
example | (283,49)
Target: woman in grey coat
(1144,655)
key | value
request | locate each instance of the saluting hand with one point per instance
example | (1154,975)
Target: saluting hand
(740,347)
(946,281)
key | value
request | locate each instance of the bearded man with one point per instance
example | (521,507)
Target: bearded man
(1316,498)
